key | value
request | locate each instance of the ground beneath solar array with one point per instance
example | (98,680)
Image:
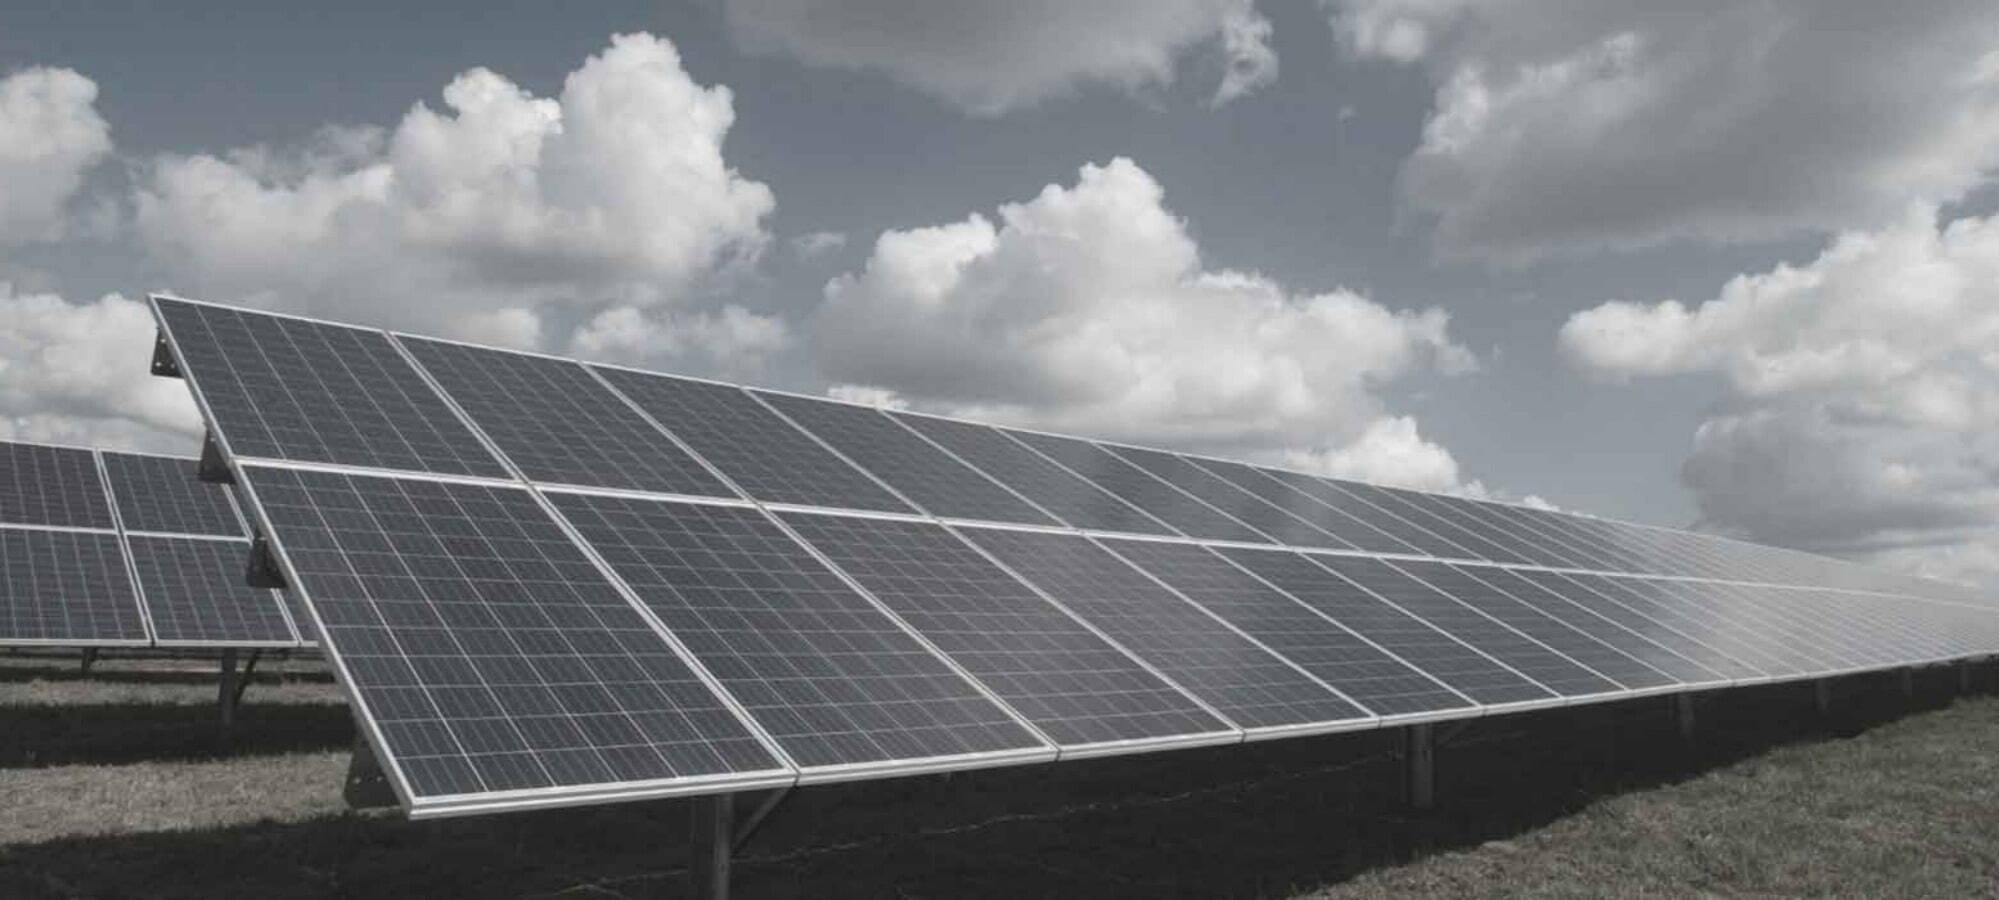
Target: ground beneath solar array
(115,785)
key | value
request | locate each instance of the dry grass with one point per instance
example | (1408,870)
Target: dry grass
(118,786)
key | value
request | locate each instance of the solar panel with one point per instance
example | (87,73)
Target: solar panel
(1689,620)
(1280,526)
(196,595)
(1345,527)
(1384,685)
(929,477)
(558,424)
(1608,630)
(1578,554)
(41,485)
(1401,504)
(1327,491)
(1464,516)
(494,662)
(1576,645)
(1072,684)
(1764,629)
(161,494)
(1411,639)
(1134,486)
(1053,488)
(1228,671)
(830,677)
(292,389)
(762,453)
(66,587)
(1578,590)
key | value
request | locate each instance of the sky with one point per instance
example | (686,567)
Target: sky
(1721,265)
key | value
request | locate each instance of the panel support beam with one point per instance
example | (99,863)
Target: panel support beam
(748,827)
(1683,716)
(228,690)
(367,786)
(1964,678)
(1822,696)
(712,837)
(212,468)
(1908,679)
(1419,762)
(90,659)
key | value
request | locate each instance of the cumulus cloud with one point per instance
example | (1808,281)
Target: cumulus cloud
(1087,309)
(813,245)
(50,135)
(730,341)
(1861,407)
(1584,124)
(991,56)
(501,216)
(79,373)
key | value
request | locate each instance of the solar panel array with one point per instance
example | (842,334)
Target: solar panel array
(102,549)
(548,582)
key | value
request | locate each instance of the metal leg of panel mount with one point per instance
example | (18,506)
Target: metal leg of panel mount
(1909,684)
(89,659)
(1964,678)
(1822,696)
(232,684)
(1683,716)
(1419,760)
(367,786)
(713,838)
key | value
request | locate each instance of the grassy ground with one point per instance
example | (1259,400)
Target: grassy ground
(116,785)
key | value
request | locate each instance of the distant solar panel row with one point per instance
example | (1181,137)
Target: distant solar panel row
(547,582)
(137,554)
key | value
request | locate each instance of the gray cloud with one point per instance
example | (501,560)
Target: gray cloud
(50,135)
(991,56)
(1574,125)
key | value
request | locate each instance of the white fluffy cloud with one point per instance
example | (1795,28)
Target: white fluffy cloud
(50,135)
(991,56)
(1087,309)
(728,341)
(1861,413)
(501,217)
(79,373)
(1581,124)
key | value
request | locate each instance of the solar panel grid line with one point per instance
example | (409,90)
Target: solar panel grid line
(841,771)
(1368,702)
(1552,634)
(1370,720)
(1085,459)
(125,547)
(371,722)
(1266,518)
(1263,694)
(425,460)
(1750,646)
(1684,637)
(1362,536)
(1543,669)
(65,529)
(618,582)
(968,497)
(1232,732)
(953,454)
(933,428)
(558,421)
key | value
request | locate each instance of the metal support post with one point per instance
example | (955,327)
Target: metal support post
(757,816)
(1909,683)
(89,659)
(1964,677)
(1683,715)
(227,692)
(367,786)
(1419,759)
(1822,696)
(708,857)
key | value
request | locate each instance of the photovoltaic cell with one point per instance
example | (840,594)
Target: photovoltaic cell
(926,475)
(490,653)
(66,586)
(161,494)
(196,594)
(1407,637)
(1631,642)
(559,424)
(1347,528)
(762,453)
(1053,488)
(1226,670)
(1576,645)
(1375,680)
(42,485)
(1072,684)
(1129,482)
(830,677)
(1246,508)
(1327,491)
(290,389)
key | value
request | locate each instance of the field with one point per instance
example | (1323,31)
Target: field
(119,784)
